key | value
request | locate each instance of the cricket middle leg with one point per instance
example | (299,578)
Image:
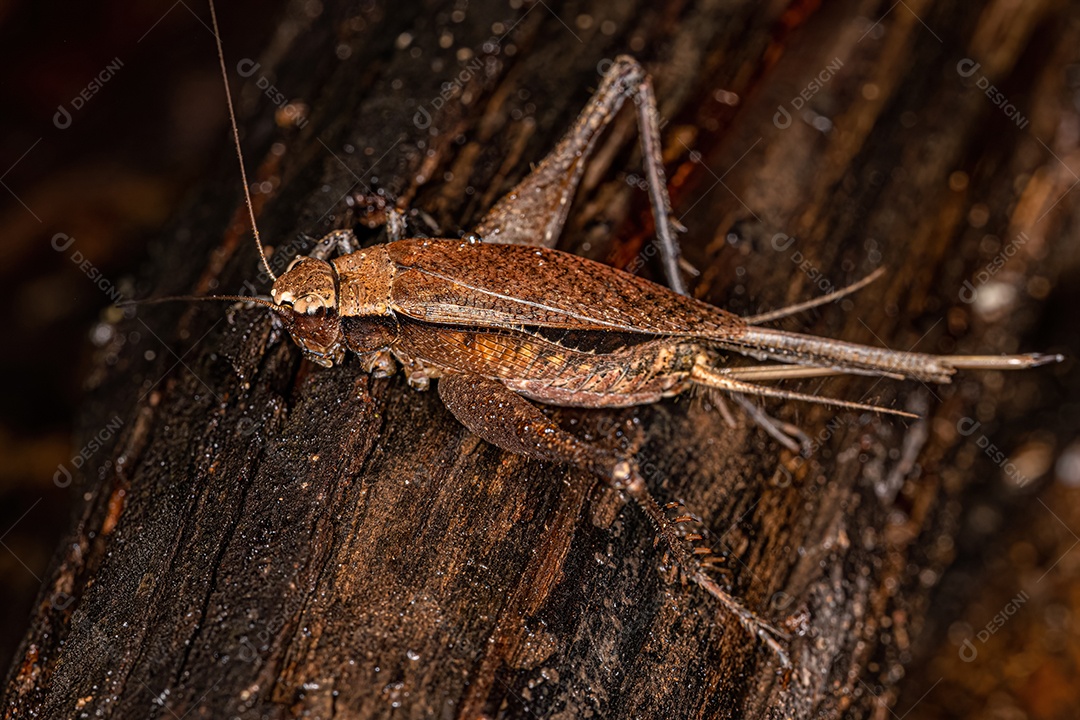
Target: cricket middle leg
(507,420)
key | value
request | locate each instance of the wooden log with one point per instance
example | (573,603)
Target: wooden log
(265,538)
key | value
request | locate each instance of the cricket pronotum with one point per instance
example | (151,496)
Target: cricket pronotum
(501,320)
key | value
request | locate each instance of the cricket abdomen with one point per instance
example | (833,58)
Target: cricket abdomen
(642,370)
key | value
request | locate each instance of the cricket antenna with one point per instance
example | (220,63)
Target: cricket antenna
(201,298)
(236,139)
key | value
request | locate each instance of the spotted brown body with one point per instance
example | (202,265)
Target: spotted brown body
(447,306)
(554,327)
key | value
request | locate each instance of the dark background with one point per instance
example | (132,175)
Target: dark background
(127,162)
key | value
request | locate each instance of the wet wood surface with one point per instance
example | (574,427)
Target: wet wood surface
(265,538)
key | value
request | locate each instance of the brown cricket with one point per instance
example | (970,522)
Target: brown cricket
(500,319)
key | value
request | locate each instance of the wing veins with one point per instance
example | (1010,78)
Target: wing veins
(540,306)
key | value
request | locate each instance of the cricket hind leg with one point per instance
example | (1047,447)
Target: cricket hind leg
(729,381)
(535,211)
(507,420)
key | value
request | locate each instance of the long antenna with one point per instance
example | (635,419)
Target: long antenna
(236,139)
(201,298)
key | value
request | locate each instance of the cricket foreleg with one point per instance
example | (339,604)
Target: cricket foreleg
(340,242)
(506,420)
(534,212)
(379,363)
(375,211)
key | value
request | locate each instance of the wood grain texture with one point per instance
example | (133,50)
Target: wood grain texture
(265,538)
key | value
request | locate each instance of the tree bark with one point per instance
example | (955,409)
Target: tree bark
(266,538)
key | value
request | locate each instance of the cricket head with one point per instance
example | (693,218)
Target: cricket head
(305,298)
